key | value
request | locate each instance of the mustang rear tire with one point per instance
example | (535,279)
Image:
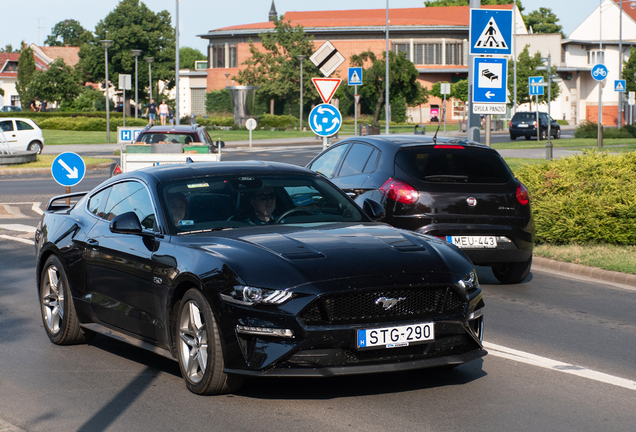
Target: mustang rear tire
(199,348)
(56,304)
(512,273)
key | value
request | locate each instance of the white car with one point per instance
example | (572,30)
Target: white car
(21,134)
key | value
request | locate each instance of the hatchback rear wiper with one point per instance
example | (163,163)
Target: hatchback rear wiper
(446,178)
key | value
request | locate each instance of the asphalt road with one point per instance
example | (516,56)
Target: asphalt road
(107,385)
(561,358)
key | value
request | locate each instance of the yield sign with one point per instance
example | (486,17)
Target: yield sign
(326,87)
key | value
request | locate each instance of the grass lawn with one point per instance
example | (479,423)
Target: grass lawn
(574,143)
(45,161)
(607,257)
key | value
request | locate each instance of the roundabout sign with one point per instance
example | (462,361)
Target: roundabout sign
(325,120)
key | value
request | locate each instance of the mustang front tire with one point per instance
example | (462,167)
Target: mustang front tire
(199,348)
(512,273)
(56,304)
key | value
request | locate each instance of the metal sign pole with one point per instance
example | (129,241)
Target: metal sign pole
(444,113)
(538,125)
(355,111)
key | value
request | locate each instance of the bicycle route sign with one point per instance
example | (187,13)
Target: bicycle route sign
(325,120)
(599,72)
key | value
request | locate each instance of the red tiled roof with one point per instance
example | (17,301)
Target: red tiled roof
(424,16)
(627,8)
(70,55)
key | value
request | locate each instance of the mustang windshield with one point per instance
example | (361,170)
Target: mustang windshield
(211,202)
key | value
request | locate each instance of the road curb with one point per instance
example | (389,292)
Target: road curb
(8,427)
(585,271)
(12,171)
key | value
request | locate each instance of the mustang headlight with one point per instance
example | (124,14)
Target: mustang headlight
(468,282)
(248,296)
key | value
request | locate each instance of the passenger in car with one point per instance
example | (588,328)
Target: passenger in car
(263,205)
(178,207)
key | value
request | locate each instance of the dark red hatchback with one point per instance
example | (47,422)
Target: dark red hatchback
(458,190)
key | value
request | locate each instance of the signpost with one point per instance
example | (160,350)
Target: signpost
(125,84)
(326,87)
(325,120)
(327,58)
(250,125)
(599,73)
(490,32)
(489,85)
(68,169)
(355,79)
(444,88)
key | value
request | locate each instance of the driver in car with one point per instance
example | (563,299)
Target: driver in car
(263,205)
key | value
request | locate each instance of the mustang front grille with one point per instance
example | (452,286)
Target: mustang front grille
(383,305)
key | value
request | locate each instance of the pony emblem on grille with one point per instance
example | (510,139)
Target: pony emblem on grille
(388,303)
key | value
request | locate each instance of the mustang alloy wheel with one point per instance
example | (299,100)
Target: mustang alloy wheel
(58,311)
(199,348)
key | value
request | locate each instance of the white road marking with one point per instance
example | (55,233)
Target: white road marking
(544,362)
(17,227)
(18,239)
(36,208)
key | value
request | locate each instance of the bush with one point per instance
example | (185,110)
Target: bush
(219,101)
(586,129)
(216,121)
(616,133)
(588,198)
(87,123)
(274,121)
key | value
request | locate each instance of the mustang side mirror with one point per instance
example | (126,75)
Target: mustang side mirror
(126,223)
(373,209)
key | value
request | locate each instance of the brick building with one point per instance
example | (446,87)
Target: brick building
(435,39)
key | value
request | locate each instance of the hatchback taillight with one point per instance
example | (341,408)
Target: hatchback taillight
(523,196)
(510,124)
(534,123)
(399,191)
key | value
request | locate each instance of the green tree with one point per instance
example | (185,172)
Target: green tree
(26,69)
(403,84)
(543,21)
(629,71)
(187,57)
(9,49)
(65,33)
(219,102)
(275,68)
(526,68)
(459,90)
(131,25)
(59,83)
(438,3)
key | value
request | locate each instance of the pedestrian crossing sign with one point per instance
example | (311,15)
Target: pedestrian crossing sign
(490,32)
(619,85)
(355,76)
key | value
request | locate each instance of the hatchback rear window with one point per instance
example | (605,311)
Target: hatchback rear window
(524,117)
(453,165)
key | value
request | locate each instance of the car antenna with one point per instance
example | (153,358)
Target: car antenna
(438,125)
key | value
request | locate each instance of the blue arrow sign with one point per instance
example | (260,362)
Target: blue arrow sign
(325,120)
(355,76)
(535,90)
(619,85)
(490,31)
(599,72)
(489,80)
(68,169)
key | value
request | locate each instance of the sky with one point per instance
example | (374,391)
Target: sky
(32,20)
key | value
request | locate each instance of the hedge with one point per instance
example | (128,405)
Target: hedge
(87,123)
(588,198)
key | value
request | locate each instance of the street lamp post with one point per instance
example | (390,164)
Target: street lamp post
(227,79)
(106,43)
(387,105)
(176,65)
(136,53)
(149,60)
(301,58)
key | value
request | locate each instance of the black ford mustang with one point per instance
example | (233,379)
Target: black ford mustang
(177,259)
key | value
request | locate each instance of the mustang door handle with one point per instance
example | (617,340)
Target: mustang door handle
(93,242)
